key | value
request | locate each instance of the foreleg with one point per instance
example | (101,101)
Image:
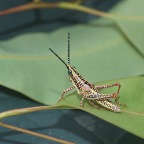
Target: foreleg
(65,91)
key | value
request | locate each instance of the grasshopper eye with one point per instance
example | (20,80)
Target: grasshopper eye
(69,72)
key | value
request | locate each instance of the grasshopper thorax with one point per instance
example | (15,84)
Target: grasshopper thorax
(75,77)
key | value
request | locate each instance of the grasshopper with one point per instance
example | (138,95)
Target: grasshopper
(90,91)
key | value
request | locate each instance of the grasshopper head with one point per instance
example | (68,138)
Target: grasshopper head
(71,71)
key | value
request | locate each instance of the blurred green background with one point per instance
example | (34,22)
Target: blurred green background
(101,50)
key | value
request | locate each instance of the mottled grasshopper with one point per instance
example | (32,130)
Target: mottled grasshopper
(90,91)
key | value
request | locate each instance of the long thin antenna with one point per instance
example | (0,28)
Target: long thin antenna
(57,56)
(68,48)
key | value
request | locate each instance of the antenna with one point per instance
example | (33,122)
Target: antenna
(58,56)
(68,48)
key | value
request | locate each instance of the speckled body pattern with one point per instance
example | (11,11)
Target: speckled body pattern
(90,91)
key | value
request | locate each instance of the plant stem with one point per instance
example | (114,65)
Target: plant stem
(25,110)
(69,5)
(31,5)
(29,110)
(34,133)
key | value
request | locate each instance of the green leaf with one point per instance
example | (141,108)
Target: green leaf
(98,51)
(130,119)
(131,94)
(132,29)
